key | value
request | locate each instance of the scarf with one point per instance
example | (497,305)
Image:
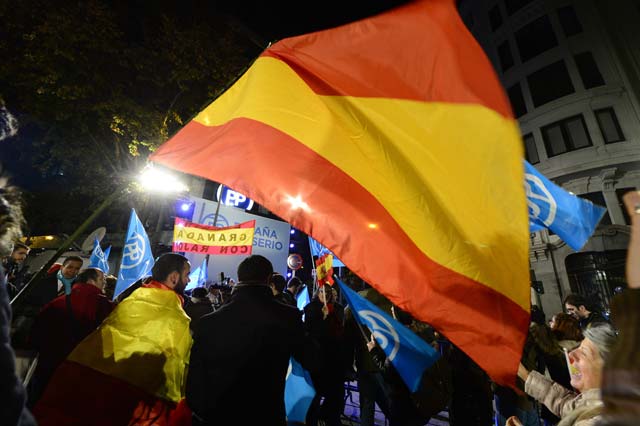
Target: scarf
(66,282)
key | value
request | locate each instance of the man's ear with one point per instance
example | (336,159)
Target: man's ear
(173,278)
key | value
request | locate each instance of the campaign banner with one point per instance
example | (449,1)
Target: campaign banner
(270,238)
(196,238)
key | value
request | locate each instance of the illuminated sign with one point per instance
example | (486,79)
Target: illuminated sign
(229,197)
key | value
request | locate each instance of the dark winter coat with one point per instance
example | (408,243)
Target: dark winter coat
(240,357)
(12,394)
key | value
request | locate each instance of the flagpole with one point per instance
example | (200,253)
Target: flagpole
(215,221)
(66,244)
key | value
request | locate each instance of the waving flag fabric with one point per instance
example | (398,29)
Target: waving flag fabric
(298,392)
(99,259)
(403,158)
(137,259)
(409,354)
(199,276)
(324,270)
(574,219)
(131,370)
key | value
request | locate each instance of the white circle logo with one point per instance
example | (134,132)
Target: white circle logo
(383,331)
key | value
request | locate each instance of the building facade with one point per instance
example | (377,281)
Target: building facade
(571,69)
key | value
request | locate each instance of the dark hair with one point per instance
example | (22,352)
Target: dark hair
(18,245)
(255,269)
(294,282)
(537,316)
(199,292)
(88,274)
(578,300)
(566,327)
(166,264)
(72,259)
(278,281)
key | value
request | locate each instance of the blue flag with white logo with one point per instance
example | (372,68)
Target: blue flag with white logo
(298,392)
(137,259)
(409,354)
(198,277)
(99,259)
(302,298)
(572,218)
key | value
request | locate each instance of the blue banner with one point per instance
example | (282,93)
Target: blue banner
(409,354)
(302,298)
(199,276)
(298,392)
(137,259)
(572,218)
(99,259)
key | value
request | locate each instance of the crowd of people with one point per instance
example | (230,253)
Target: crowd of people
(219,355)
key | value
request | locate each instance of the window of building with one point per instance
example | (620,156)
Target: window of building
(609,126)
(530,150)
(506,58)
(597,198)
(515,5)
(588,69)
(566,135)
(495,17)
(517,100)
(569,21)
(550,83)
(535,37)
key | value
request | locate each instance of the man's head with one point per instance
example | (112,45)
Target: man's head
(577,306)
(277,283)
(71,266)
(20,252)
(92,276)
(294,285)
(172,270)
(255,269)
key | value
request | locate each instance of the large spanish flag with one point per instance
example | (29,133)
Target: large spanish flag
(390,141)
(131,370)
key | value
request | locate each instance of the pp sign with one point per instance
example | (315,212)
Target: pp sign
(229,197)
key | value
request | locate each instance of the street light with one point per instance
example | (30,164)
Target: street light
(150,179)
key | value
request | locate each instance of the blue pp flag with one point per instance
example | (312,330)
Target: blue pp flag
(298,392)
(302,298)
(198,277)
(319,250)
(137,259)
(572,218)
(409,354)
(99,259)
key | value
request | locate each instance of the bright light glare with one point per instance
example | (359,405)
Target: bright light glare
(372,226)
(292,245)
(156,180)
(185,207)
(297,203)
(49,237)
(293,231)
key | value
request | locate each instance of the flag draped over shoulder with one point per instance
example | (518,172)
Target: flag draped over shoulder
(403,158)
(136,358)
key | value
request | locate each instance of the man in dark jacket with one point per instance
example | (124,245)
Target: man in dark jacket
(241,353)
(197,306)
(65,322)
(57,282)
(579,308)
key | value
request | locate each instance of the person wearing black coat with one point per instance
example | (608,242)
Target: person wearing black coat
(241,353)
